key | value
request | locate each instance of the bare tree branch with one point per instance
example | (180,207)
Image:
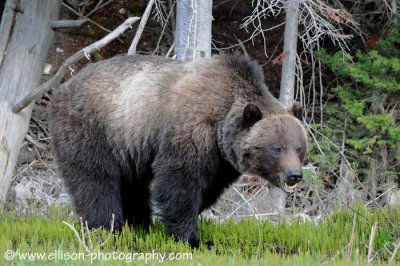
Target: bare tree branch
(394,10)
(98,6)
(244,203)
(85,17)
(318,18)
(164,27)
(394,253)
(143,21)
(67,23)
(85,52)
(81,241)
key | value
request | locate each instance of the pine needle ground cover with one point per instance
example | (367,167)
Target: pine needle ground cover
(346,237)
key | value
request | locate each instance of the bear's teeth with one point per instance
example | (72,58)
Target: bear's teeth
(287,186)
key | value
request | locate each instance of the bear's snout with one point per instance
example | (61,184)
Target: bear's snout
(289,180)
(294,176)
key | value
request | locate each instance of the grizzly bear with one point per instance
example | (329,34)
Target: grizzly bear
(140,135)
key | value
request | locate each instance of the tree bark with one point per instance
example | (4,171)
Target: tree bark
(193,29)
(289,54)
(288,78)
(21,71)
(5,27)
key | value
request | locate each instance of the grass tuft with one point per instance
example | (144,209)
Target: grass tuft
(236,243)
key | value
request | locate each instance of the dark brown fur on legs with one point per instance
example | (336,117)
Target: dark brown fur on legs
(91,174)
(136,135)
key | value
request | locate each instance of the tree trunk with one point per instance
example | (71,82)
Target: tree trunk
(289,54)
(288,78)
(5,27)
(20,73)
(193,29)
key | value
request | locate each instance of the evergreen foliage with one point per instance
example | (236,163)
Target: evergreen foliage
(369,97)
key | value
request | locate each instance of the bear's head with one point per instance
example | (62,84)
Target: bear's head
(272,147)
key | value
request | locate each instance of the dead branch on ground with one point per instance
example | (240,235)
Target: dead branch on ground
(82,237)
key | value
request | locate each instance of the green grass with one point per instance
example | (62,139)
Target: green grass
(236,243)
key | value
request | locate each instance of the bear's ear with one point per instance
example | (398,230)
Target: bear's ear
(251,114)
(297,110)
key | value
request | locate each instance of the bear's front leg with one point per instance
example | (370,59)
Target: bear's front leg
(176,197)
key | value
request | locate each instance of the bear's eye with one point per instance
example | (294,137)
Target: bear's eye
(278,149)
(299,150)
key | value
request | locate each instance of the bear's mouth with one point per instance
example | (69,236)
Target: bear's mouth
(288,187)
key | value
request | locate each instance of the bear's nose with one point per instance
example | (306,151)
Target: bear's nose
(294,176)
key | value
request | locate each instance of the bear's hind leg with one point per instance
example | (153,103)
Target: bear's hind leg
(90,171)
(96,197)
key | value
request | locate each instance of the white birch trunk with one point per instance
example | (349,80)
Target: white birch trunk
(193,29)
(288,78)
(289,54)
(20,73)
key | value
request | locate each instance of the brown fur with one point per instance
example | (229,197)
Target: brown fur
(136,134)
